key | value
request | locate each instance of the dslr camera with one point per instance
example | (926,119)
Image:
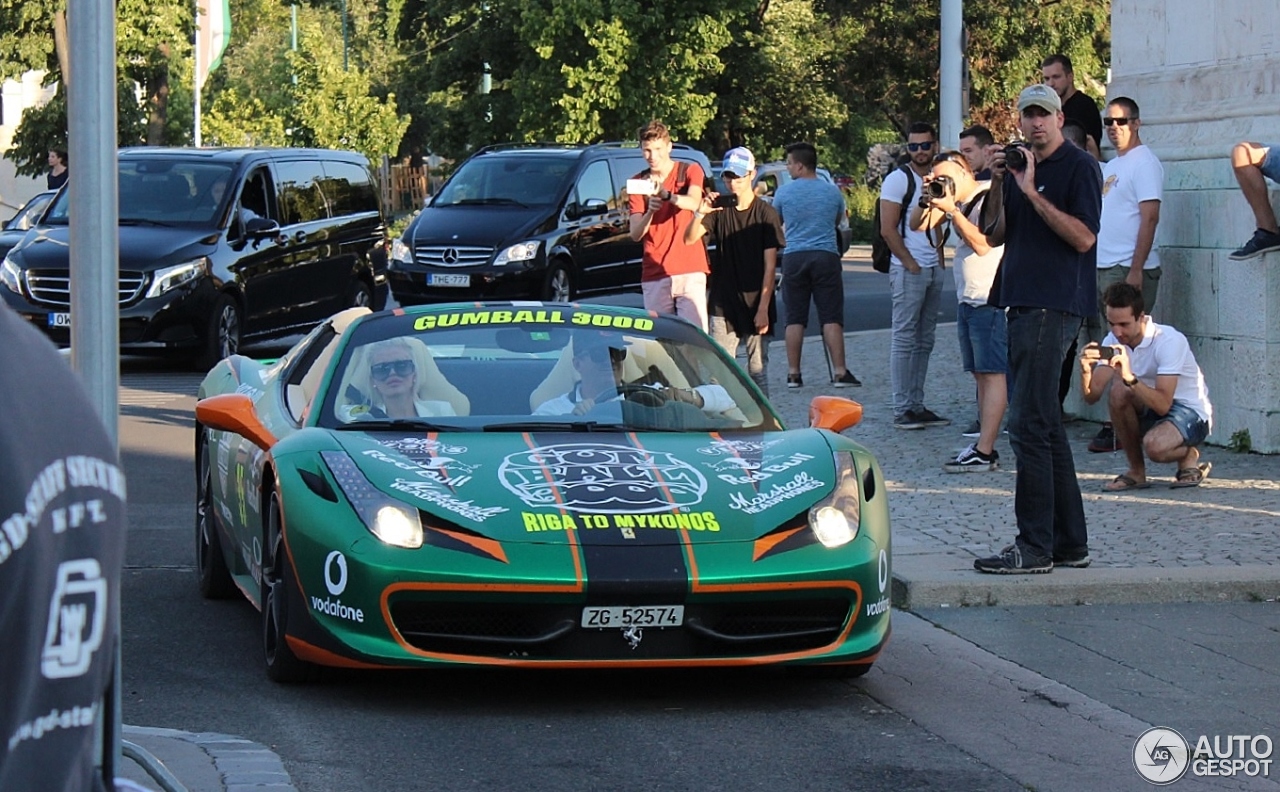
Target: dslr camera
(1015,156)
(937,187)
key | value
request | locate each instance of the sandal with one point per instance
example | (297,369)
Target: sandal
(1124,482)
(1191,477)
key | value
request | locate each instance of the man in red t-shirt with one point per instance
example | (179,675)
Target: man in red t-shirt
(674,274)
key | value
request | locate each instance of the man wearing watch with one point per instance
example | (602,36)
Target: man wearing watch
(1156,394)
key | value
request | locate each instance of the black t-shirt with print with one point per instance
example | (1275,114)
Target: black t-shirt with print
(737,266)
(62,525)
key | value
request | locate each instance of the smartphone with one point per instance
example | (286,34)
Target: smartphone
(726,201)
(641,187)
(1106,352)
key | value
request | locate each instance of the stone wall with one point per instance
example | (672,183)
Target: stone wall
(1207,75)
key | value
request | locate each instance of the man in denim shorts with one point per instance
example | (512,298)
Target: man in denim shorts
(1158,397)
(1252,162)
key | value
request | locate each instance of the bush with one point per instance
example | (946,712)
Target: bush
(861,201)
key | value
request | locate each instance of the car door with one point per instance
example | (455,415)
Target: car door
(356,228)
(595,226)
(254,261)
(311,264)
(628,253)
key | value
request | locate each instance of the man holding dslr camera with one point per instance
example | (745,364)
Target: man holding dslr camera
(953,195)
(747,234)
(1045,207)
(1158,395)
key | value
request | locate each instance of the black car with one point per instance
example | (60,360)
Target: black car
(15,228)
(527,222)
(218,246)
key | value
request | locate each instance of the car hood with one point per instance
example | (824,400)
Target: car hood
(666,488)
(142,248)
(475,226)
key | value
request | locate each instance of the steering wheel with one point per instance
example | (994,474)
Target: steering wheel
(642,395)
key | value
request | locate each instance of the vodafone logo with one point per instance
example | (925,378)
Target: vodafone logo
(335,562)
(883,571)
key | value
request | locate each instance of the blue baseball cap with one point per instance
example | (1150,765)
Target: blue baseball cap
(739,162)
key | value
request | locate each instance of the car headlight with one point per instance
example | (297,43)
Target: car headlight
(10,275)
(835,519)
(170,278)
(385,517)
(521,252)
(400,252)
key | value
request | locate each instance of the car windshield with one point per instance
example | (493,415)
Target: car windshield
(166,192)
(541,368)
(506,179)
(28,215)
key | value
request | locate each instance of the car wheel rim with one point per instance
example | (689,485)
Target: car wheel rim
(229,331)
(204,495)
(560,286)
(360,299)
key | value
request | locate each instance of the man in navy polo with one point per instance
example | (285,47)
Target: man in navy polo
(1046,214)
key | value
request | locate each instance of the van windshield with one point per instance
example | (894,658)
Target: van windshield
(506,179)
(163,192)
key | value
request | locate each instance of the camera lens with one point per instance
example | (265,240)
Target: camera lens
(1015,157)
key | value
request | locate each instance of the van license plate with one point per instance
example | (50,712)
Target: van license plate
(59,320)
(436,279)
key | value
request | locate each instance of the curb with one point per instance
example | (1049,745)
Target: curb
(240,765)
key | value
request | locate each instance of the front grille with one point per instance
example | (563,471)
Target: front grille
(452,256)
(551,632)
(53,287)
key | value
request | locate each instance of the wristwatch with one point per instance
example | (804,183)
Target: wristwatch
(1129,383)
(950,215)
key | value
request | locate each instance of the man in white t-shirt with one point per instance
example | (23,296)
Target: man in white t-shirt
(1132,187)
(956,198)
(915,283)
(1159,404)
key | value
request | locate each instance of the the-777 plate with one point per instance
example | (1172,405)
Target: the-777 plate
(633,616)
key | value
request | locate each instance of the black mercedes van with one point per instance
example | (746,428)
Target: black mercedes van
(527,221)
(218,246)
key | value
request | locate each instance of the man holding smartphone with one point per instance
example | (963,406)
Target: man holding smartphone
(1158,402)
(673,275)
(747,234)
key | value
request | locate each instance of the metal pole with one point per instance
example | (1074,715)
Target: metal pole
(344,35)
(951,73)
(199,78)
(94,245)
(293,26)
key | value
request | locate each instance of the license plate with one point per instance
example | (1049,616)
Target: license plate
(59,320)
(634,616)
(436,279)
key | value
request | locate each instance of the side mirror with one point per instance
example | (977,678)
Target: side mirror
(233,412)
(261,227)
(831,412)
(594,206)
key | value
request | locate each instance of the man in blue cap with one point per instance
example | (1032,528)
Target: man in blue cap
(747,234)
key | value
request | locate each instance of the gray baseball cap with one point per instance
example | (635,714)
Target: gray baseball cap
(1041,96)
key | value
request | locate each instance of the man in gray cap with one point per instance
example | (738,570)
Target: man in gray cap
(1045,208)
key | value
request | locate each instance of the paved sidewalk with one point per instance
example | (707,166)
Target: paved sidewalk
(1218,541)
(205,762)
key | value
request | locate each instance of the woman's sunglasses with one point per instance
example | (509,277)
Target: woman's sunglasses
(401,368)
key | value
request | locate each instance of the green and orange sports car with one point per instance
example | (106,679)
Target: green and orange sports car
(539,485)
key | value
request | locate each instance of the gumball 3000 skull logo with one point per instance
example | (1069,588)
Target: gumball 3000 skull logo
(601,479)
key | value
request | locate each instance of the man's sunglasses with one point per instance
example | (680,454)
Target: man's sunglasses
(401,368)
(1122,121)
(920,146)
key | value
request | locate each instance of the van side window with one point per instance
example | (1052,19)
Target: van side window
(625,167)
(595,185)
(256,195)
(348,188)
(300,198)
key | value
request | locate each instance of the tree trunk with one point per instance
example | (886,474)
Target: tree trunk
(158,100)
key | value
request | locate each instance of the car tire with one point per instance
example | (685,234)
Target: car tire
(360,296)
(223,335)
(282,664)
(558,285)
(211,565)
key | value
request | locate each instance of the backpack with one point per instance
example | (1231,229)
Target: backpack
(880,252)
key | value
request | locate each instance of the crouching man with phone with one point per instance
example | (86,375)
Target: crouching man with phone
(1157,391)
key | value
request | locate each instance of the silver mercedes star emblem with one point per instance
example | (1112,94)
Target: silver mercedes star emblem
(450,256)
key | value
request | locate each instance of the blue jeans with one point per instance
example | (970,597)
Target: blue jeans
(915,318)
(1047,502)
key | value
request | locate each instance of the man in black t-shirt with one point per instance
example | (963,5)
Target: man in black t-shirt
(1076,106)
(1046,213)
(62,527)
(747,237)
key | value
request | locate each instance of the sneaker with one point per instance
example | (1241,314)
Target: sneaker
(1011,561)
(847,380)
(1078,562)
(974,430)
(930,418)
(971,460)
(1261,242)
(908,420)
(1105,440)
(794,381)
